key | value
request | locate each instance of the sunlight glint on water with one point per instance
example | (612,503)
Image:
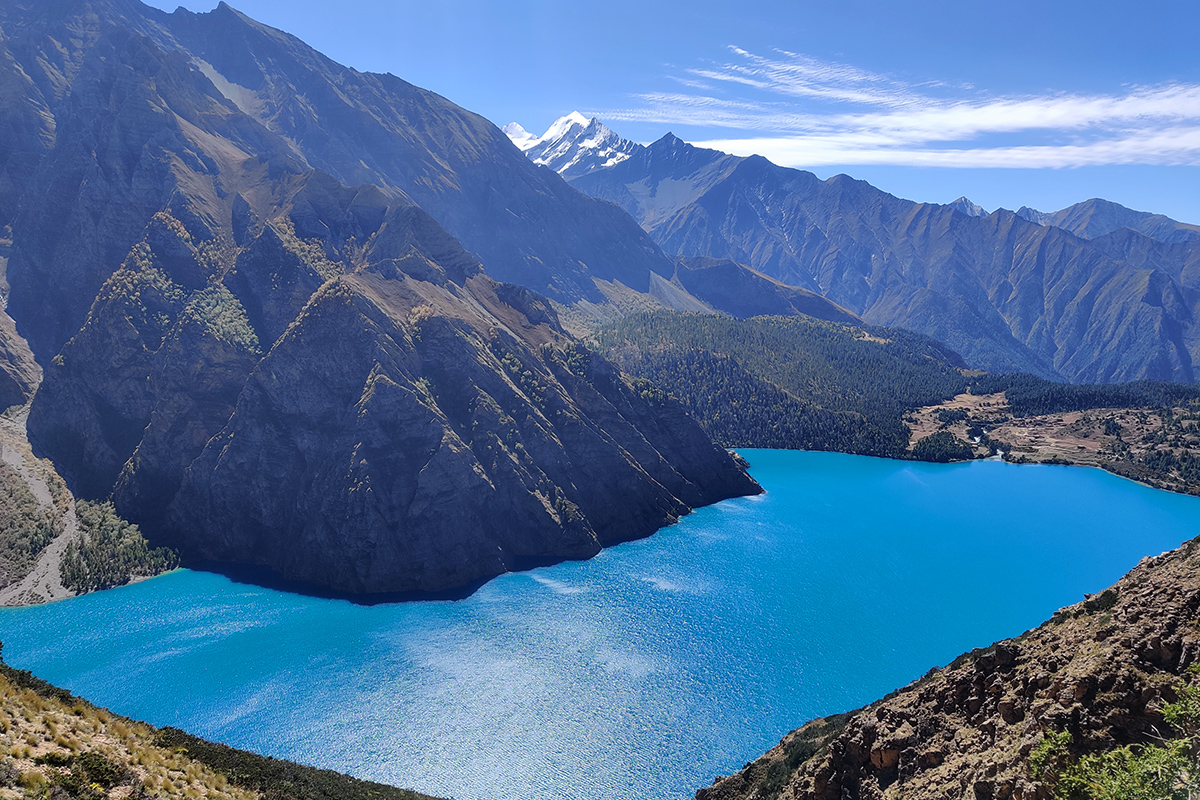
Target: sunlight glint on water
(642,673)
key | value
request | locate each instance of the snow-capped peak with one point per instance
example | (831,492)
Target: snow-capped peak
(564,124)
(574,145)
(520,137)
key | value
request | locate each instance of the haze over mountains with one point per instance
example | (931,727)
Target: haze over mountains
(1093,293)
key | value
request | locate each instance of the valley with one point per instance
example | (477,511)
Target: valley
(643,672)
(341,427)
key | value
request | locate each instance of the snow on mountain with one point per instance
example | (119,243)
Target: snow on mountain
(573,145)
(520,137)
(967,207)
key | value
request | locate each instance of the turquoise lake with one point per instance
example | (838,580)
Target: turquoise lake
(643,673)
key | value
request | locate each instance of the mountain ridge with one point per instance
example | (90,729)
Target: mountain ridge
(231,330)
(1008,294)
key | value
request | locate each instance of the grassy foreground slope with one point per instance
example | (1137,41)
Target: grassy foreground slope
(54,746)
(788,382)
(1100,702)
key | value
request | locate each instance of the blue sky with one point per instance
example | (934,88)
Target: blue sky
(1039,104)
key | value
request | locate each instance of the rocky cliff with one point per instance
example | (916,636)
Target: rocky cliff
(265,353)
(348,400)
(1099,671)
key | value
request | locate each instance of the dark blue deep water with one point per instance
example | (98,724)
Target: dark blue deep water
(642,673)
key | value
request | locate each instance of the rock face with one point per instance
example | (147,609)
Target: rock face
(1009,294)
(19,371)
(1098,670)
(266,354)
(113,111)
(363,410)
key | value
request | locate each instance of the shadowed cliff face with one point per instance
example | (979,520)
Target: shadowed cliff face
(265,366)
(361,409)
(1008,294)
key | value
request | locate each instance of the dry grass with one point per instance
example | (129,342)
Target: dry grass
(35,730)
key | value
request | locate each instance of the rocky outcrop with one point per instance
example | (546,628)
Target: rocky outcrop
(19,371)
(355,405)
(1099,670)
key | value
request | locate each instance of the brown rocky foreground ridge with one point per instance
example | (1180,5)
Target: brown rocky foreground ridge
(1100,671)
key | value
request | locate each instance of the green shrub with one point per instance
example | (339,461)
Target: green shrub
(110,552)
(942,447)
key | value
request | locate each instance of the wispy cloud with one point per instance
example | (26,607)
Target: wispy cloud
(799,111)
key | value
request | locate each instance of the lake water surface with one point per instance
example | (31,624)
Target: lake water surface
(643,673)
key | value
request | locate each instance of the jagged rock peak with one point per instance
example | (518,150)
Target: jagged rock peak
(967,207)
(1033,215)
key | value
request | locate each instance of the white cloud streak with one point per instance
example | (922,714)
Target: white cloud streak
(798,111)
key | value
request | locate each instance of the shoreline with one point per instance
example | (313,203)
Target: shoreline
(253,576)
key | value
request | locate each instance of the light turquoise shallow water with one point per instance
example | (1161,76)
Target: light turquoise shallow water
(642,673)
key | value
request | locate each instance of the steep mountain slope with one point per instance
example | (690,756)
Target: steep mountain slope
(1008,294)
(363,410)
(523,223)
(1094,218)
(115,111)
(789,382)
(992,724)
(263,365)
(573,145)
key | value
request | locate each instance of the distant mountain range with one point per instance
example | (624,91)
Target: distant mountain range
(1092,293)
(1094,218)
